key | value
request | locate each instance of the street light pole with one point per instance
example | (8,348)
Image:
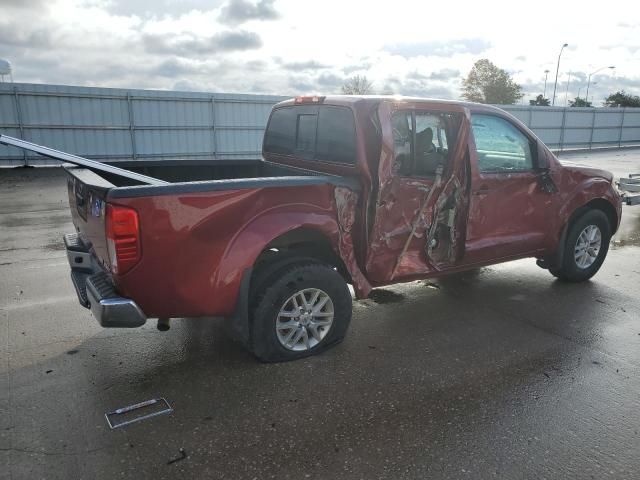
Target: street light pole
(566,92)
(546,74)
(589,80)
(555,85)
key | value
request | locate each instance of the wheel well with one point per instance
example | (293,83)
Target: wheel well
(303,242)
(555,260)
(602,205)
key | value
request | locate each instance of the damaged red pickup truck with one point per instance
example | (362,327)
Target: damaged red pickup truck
(364,191)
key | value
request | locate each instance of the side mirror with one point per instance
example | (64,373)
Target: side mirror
(543,156)
(545,181)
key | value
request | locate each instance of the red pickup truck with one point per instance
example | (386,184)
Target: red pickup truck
(365,191)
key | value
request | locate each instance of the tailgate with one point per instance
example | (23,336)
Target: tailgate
(87,201)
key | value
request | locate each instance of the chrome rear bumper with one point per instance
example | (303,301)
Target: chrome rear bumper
(96,291)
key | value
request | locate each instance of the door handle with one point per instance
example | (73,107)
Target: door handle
(482,190)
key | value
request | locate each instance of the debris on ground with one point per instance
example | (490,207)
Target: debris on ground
(182,456)
(123,416)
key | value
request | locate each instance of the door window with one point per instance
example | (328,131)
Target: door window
(501,146)
(421,141)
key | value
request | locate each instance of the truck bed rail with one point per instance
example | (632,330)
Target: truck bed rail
(76,160)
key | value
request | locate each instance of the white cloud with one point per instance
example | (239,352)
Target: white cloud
(289,47)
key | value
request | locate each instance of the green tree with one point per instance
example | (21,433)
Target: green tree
(579,102)
(358,85)
(487,83)
(622,99)
(540,101)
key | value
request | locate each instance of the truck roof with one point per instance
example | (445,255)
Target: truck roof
(349,100)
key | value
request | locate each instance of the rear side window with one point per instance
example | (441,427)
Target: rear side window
(281,133)
(324,133)
(336,135)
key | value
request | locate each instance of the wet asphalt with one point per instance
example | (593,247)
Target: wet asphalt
(499,373)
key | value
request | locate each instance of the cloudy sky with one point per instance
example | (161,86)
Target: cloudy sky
(292,47)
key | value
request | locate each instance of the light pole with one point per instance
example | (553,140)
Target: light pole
(589,81)
(546,74)
(555,85)
(566,92)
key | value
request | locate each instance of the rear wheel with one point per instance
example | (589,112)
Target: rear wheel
(586,247)
(299,310)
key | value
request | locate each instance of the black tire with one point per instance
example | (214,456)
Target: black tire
(570,271)
(274,285)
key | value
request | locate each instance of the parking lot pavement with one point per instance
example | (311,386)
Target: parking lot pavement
(499,373)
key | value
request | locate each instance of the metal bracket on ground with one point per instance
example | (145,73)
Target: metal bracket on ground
(123,416)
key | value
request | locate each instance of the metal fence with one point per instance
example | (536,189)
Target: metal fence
(119,124)
(563,128)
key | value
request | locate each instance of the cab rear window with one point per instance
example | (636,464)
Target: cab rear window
(320,132)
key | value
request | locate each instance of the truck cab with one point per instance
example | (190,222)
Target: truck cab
(446,186)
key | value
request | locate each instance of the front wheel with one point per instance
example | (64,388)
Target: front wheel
(303,309)
(585,248)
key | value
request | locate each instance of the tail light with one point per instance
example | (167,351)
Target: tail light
(309,99)
(123,238)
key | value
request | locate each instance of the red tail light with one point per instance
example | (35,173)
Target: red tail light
(123,238)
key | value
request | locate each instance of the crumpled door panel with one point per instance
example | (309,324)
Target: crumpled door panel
(420,223)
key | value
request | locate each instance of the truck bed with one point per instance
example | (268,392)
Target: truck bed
(179,171)
(186,225)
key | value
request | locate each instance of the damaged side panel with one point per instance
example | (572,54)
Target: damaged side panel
(446,233)
(346,204)
(420,222)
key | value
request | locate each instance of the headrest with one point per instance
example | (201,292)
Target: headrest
(425,137)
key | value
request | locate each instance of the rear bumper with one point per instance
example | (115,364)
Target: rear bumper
(96,291)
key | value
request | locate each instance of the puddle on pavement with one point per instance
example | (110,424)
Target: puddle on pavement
(55,245)
(629,233)
(45,219)
(626,242)
(383,296)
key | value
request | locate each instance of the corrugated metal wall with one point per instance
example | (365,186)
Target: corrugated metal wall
(567,128)
(118,124)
